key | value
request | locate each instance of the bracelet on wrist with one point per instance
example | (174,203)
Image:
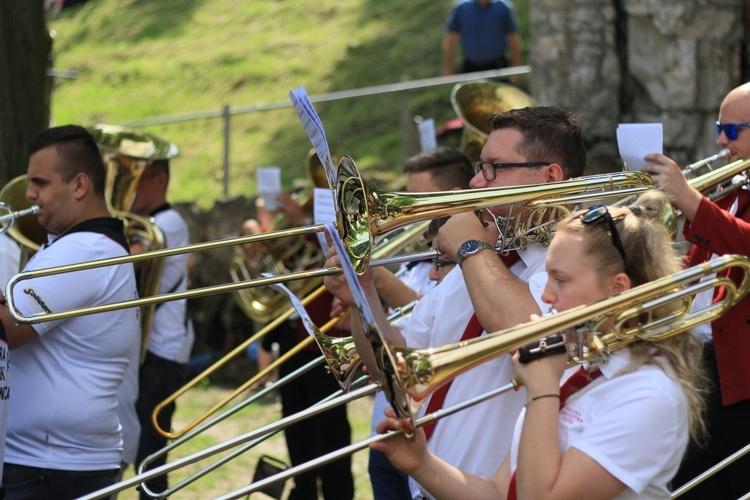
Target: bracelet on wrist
(545,396)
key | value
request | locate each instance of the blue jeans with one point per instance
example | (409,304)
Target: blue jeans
(21,482)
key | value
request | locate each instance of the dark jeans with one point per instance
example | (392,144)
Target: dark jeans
(158,378)
(388,483)
(21,482)
(729,430)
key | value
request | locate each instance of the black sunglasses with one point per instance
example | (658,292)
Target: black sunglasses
(600,212)
(730,129)
(488,168)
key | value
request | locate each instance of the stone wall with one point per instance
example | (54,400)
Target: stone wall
(619,61)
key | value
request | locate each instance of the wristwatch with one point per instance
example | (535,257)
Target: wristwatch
(471,247)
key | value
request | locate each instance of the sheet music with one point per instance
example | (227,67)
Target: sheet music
(324,212)
(269,186)
(314,128)
(427,138)
(636,140)
(308,323)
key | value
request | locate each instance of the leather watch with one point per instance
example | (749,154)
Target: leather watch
(470,247)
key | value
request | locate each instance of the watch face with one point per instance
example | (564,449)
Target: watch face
(469,247)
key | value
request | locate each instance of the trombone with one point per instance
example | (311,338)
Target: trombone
(337,352)
(10,216)
(387,247)
(425,370)
(365,212)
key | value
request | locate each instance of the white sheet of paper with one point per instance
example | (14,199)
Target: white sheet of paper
(315,132)
(269,186)
(324,211)
(636,140)
(427,138)
(307,322)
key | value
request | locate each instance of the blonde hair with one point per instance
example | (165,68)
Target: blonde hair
(650,254)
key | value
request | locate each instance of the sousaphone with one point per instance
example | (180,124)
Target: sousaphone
(475,102)
(127,153)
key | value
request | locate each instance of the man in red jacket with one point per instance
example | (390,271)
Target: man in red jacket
(717,229)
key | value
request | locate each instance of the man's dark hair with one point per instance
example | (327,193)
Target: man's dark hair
(449,167)
(550,134)
(78,153)
(157,167)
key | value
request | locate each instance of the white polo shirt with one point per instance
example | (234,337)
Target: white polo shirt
(478,438)
(634,425)
(170,338)
(63,414)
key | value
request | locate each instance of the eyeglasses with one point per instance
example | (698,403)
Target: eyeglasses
(600,212)
(488,168)
(730,129)
(439,264)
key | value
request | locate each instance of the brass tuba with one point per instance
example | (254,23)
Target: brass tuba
(126,154)
(282,256)
(475,102)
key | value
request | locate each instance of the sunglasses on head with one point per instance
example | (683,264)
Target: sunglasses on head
(488,168)
(601,212)
(730,129)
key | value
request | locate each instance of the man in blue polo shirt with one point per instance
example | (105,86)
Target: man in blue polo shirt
(487,28)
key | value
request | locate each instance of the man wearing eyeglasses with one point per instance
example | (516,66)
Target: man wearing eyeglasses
(717,228)
(525,146)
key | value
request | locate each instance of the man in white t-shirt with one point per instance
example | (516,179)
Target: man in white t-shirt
(64,438)
(438,169)
(171,336)
(10,258)
(525,146)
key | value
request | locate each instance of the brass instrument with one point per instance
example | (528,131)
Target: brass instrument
(409,375)
(126,154)
(693,169)
(7,220)
(425,371)
(282,256)
(364,213)
(475,102)
(341,357)
(337,351)
(713,183)
(26,231)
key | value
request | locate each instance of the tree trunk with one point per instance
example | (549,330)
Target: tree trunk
(25,88)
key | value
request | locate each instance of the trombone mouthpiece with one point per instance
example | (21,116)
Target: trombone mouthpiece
(20,213)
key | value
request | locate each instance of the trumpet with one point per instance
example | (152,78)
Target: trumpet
(424,371)
(364,213)
(693,168)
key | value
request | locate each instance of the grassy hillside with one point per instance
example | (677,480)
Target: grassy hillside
(138,59)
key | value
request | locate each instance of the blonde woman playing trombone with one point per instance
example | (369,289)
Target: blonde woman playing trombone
(623,432)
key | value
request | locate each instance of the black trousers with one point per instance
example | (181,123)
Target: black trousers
(22,482)
(729,429)
(318,435)
(158,378)
(470,67)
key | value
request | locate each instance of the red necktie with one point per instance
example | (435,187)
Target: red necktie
(473,330)
(580,379)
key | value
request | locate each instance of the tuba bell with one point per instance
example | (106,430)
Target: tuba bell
(475,102)
(282,256)
(127,153)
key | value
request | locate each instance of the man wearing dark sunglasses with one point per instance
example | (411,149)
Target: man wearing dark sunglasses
(485,292)
(717,228)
